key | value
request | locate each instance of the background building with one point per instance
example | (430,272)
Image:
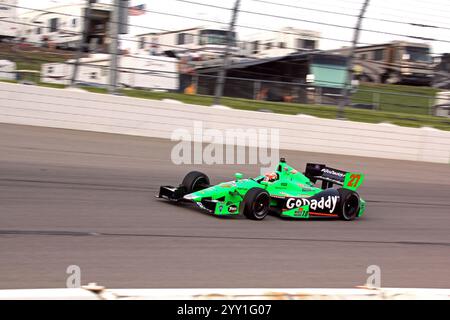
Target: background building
(280,43)
(204,42)
(8,20)
(394,62)
(442,72)
(300,77)
(62,26)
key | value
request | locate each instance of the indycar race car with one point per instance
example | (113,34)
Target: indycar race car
(284,191)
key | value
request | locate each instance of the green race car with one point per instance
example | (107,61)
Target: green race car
(285,191)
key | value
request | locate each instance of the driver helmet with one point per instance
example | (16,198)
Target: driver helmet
(270,176)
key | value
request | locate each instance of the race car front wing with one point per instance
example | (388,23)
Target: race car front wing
(172,193)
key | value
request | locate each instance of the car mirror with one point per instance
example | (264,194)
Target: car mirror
(238,176)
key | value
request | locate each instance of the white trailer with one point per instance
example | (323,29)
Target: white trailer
(9,26)
(149,72)
(7,70)
(63,25)
(280,43)
(204,42)
(135,71)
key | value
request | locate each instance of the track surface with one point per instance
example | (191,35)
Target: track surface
(87,199)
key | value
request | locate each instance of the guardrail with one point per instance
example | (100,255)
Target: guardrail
(95,292)
(79,110)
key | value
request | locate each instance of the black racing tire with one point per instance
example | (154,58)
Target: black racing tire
(256,204)
(348,205)
(195,181)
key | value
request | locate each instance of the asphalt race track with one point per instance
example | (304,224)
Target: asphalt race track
(87,199)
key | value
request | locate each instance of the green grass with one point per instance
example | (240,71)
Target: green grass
(95,90)
(392,98)
(51,85)
(39,83)
(31,60)
(8,81)
(400,88)
(31,63)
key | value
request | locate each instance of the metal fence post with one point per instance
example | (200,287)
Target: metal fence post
(256,89)
(319,95)
(113,47)
(345,91)
(195,83)
(230,41)
(430,106)
(82,45)
(376,100)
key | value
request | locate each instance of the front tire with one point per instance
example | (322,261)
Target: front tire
(256,204)
(195,181)
(348,204)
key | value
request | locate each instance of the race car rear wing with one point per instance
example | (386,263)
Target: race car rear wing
(330,176)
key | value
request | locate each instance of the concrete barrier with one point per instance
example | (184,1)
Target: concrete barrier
(99,293)
(71,109)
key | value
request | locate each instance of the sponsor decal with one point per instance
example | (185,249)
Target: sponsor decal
(231,184)
(202,206)
(232,209)
(328,202)
(354,180)
(299,212)
(332,172)
(318,214)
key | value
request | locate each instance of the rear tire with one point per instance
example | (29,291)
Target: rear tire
(256,204)
(348,204)
(195,181)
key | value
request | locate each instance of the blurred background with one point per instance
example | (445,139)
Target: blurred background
(383,62)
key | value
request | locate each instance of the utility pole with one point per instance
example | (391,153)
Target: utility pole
(351,56)
(114,47)
(82,45)
(220,82)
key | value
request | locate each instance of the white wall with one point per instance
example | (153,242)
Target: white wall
(359,293)
(31,105)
